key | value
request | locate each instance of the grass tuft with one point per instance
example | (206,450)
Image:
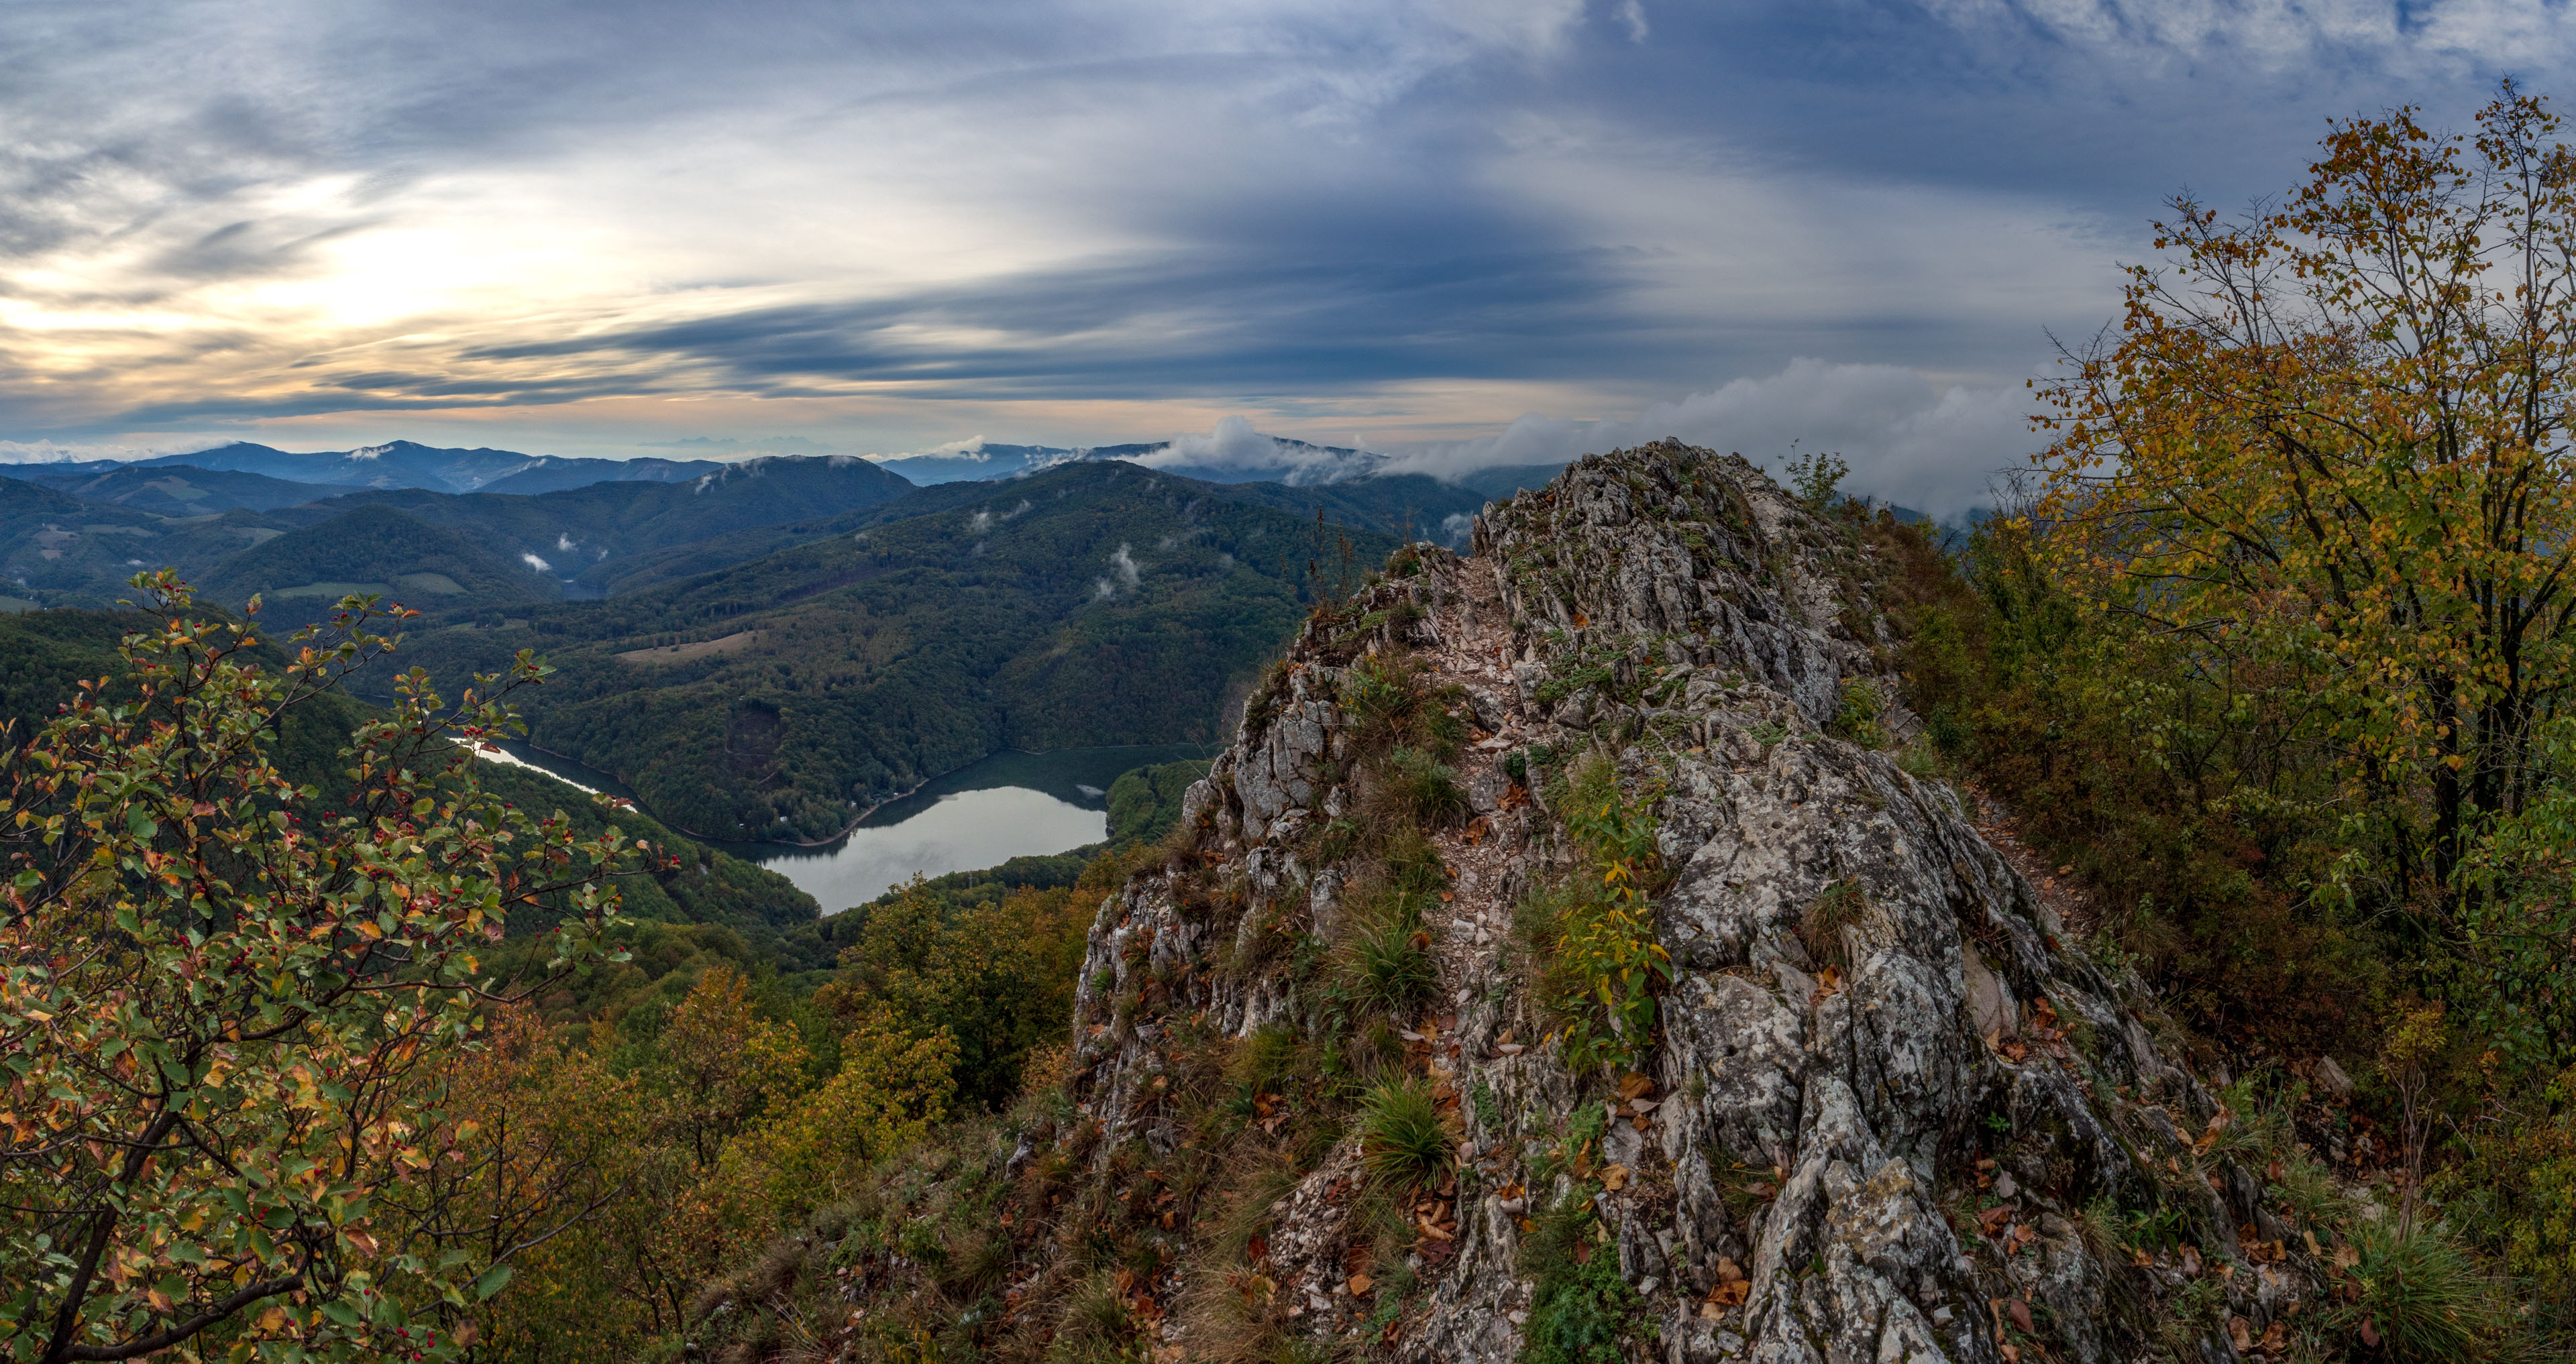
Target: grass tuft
(2421,1295)
(1097,1325)
(1821,924)
(1424,788)
(1389,971)
(1404,1137)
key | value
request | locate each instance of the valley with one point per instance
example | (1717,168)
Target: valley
(763,650)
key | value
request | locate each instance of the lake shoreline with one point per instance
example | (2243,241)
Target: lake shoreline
(728,845)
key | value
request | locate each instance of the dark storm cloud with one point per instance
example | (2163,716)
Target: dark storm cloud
(1160,325)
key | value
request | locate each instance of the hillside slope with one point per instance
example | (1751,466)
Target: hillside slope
(1324,1097)
(587,533)
(1091,605)
(554,473)
(180,490)
(62,550)
(373,549)
(1386,506)
(719,904)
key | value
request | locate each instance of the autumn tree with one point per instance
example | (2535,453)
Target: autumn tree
(221,1001)
(722,1064)
(996,978)
(537,1139)
(2334,433)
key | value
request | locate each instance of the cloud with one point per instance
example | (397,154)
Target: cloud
(1632,17)
(2276,34)
(1234,445)
(1910,440)
(270,213)
(1128,573)
(555,226)
(56,452)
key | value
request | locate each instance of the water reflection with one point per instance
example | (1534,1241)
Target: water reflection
(1009,805)
(958,832)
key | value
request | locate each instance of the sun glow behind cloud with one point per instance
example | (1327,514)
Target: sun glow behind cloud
(589,229)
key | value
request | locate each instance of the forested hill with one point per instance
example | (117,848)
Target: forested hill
(303,573)
(713,903)
(1400,505)
(1093,604)
(582,535)
(71,539)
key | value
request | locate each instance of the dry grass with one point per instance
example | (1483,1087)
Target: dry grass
(681,653)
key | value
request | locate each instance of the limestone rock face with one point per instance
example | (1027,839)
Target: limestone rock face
(1871,1042)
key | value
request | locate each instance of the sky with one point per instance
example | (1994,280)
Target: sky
(1461,232)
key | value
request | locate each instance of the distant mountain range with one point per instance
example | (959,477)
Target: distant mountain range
(409,464)
(1236,454)
(764,646)
(451,529)
(1249,458)
(72,538)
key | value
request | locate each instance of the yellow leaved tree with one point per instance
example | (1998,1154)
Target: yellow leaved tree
(2333,433)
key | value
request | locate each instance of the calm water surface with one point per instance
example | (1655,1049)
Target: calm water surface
(1009,805)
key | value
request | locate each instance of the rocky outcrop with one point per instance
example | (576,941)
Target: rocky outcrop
(1891,1113)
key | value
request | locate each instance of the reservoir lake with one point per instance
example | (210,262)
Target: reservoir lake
(1009,805)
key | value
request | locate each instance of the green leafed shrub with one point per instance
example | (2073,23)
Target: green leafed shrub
(1581,1308)
(1857,716)
(1601,966)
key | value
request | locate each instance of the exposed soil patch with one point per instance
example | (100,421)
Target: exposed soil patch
(2059,893)
(697,648)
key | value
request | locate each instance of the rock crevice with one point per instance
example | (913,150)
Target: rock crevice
(1872,1039)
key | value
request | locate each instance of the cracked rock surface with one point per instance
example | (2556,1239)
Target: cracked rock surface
(1857,1136)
